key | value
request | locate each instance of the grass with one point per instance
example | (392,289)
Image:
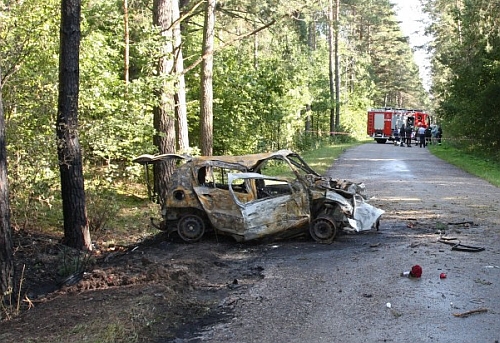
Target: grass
(483,166)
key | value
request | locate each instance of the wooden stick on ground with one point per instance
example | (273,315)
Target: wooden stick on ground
(468,313)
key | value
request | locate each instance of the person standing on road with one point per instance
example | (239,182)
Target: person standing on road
(421,135)
(409,131)
(428,135)
(439,134)
(434,133)
(402,135)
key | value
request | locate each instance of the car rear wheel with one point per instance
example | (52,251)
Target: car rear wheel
(191,228)
(323,229)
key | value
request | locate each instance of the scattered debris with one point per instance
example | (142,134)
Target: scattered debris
(395,313)
(459,246)
(233,285)
(416,271)
(467,223)
(468,313)
(483,282)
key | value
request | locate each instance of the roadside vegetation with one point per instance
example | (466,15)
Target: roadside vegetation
(474,161)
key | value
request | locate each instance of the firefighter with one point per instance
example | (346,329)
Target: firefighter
(439,134)
(402,135)
(409,130)
(428,135)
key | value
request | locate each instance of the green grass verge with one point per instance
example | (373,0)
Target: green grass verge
(483,166)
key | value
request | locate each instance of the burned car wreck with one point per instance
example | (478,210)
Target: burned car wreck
(255,196)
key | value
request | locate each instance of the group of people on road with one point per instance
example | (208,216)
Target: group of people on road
(426,134)
(405,135)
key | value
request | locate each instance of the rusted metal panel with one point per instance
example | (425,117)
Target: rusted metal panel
(271,216)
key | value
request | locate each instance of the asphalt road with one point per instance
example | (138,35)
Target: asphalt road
(352,290)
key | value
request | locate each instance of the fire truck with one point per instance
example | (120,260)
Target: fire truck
(383,123)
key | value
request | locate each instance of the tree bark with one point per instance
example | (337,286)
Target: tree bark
(164,112)
(206,96)
(126,56)
(337,68)
(6,255)
(76,229)
(180,94)
(331,70)
(311,43)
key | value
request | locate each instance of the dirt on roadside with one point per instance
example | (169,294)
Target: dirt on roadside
(140,293)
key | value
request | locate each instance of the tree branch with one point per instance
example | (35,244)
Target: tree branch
(199,60)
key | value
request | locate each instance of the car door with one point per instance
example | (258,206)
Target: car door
(276,205)
(220,207)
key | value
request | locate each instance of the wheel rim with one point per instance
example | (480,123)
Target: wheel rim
(191,228)
(323,230)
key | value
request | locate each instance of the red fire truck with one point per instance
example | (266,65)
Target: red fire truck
(383,123)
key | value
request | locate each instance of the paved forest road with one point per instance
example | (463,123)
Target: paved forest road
(341,292)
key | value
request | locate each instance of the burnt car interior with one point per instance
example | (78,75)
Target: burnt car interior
(217,177)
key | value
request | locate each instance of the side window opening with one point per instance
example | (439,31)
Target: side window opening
(276,167)
(267,188)
(205,177)
(276,187)
(220,178)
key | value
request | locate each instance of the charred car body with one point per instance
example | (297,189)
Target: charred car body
(253,196)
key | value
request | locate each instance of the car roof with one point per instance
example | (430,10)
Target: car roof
(248,161)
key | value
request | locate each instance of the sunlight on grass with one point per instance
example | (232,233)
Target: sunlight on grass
(481,166)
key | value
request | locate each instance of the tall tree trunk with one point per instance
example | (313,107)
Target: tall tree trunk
(6,258)
(126,56)
(180,94)
(76,229)
(164,112)
(311,43)
(337,69)
(331,59)
(206,96)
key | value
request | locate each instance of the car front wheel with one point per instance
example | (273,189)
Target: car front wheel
(323,229)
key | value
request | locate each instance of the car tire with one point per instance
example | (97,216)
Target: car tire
(191,228)
(323,229)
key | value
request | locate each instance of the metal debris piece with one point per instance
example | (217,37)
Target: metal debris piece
(459,246)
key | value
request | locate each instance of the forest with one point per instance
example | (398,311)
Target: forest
(216,77)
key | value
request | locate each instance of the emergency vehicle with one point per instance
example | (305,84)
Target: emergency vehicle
(383,124)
